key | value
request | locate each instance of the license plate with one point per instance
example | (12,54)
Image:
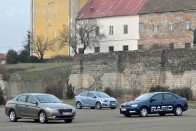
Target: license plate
(123,109)
(113,104)
(66,113)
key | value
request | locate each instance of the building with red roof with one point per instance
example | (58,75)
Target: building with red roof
(119,21)
(2,58)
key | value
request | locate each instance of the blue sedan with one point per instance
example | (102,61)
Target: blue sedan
(95,99)
(152,103)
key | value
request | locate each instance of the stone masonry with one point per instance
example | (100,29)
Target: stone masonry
(163,37)
(135,69)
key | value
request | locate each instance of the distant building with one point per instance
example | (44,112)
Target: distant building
(2,58)
(48,18)
(166,23)
(119,22)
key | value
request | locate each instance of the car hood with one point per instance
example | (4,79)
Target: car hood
(108,99)
(131,103)
(57,105)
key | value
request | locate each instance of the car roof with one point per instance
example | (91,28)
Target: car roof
(35,94)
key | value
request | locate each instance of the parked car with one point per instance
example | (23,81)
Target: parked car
(40,107)
(95,99)
(151,103)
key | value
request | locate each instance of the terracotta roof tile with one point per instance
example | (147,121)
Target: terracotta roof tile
(109,8)
(158,6)
(2,57)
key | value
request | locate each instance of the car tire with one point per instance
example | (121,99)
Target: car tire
(113,107)
(127,115)
(178,111)
(162,114)
(43,117)
(98,105)
(143,112)
(68,120)
(12,116)
(78,105)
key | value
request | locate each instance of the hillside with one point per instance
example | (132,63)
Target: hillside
(36,71)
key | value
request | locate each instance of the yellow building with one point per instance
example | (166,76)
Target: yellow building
(48,18)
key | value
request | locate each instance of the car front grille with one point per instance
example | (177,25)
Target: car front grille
(65,110)
(112,102)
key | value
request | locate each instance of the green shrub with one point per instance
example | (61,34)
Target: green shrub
(2,99)
(23,56)
(116,93)
(12,57)
(183,92)
(159,89)
(33,59)
(70,92)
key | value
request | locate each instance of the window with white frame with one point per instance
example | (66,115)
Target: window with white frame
(155,27)
(171,45)
(97,49)
(187,25)
(125,29)
(187,45)
(97,31)
(125,48)
(111,30)
(171,27)
(141,27)
(111,48)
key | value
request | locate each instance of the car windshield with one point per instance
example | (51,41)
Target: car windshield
(101,95)
(143,97)
(47,99)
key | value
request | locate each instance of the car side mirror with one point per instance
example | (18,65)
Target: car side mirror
(152,100)
(34,102)
(94,97)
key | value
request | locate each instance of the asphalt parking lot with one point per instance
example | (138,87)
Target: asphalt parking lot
(106,120)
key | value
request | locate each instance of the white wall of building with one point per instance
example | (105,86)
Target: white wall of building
(118,39)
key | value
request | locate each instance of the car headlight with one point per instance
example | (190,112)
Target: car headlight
(134,106)
(106,101)
(73,110)
(50,109)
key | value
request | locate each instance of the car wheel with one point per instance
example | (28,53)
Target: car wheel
(162,114)
(98,105)
(92,107)
(12,116)
(78,105)
(113,107)
(43,117)
(143,112)
(178,111)
(68,120)
(127,115)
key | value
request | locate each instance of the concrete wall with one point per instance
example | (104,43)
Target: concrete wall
(135,69)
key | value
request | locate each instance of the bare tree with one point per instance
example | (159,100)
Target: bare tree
(86,34)
(41,46)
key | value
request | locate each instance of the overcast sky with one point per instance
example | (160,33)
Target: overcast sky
(14,24)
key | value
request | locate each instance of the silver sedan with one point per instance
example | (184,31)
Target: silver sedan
(40,107)
(95,99)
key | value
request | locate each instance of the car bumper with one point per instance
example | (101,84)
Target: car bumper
(60,116)
(125,110)
(109,105)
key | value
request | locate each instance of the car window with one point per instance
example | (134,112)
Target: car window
(158,97)
(169,97)
(84,94)
(90,94)
(48,99)
(22,98)
(30,99)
